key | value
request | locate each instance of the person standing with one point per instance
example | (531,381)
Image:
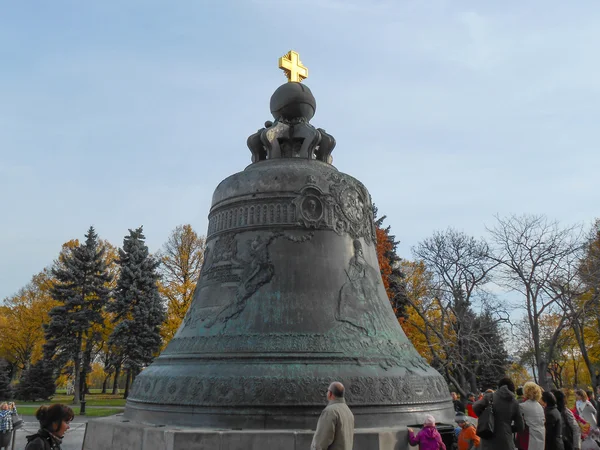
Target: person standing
(595,403)
(533,414)
(335,428)
(428,438)
(7,411)
(470,401)
(587,412)
(519,393)
(459,406)
(554,423)
(54,421)
(592,400)
(506,413)
(467,438)
(584,408)
(571,430)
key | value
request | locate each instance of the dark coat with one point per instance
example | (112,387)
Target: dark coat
(554,429)
(42,440)
(507,419)
(459,406)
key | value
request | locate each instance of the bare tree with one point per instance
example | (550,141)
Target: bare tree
(535,258)
(581,296)
(460,266)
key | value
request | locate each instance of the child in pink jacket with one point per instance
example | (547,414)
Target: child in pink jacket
(428,438)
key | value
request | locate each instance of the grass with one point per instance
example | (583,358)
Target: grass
(92,399)
(97,404)
(89,412)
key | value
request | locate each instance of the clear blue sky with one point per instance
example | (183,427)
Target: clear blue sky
(128,113)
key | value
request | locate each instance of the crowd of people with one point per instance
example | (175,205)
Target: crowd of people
(529,418)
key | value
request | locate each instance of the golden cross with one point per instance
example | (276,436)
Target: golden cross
(292,66)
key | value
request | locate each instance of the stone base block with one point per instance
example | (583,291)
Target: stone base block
(117,433)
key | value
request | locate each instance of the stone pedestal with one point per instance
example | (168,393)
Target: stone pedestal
(117,433)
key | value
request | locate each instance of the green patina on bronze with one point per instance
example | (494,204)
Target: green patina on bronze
(290,298)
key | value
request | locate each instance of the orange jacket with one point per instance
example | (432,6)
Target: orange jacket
(466,437)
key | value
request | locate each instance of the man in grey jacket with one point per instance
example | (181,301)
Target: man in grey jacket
(335,429)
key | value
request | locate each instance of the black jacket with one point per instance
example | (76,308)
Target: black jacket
(507,419)
(459,406)
(42,440)
(554,429)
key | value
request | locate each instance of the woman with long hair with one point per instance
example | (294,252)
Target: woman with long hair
(554,425)
(54,422)
(571,430)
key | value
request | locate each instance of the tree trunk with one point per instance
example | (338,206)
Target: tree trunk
(543,375)
(115,388)
(579,331)
(105,383)
(82,385)
(455,382)
(77,371)
(473,383)
(463,384)
(85,368)
(127,381)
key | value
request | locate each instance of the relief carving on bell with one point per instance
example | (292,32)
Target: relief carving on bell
(290,298)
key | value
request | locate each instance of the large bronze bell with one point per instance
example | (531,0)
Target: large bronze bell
(290,298)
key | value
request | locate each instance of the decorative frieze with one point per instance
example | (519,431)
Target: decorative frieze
(272,391)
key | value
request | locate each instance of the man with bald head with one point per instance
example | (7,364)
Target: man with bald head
(335,429)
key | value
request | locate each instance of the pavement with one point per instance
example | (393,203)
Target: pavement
(73,438)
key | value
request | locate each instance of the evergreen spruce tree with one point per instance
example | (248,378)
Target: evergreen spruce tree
(389,265)
(5,388)
(492,357)
(82,289)
(37,382)
(137,306)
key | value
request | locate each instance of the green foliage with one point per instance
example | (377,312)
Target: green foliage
(37,382)
(82,290)
(390,267)
(89,412)
(5,388)
(495,365)
(137,306)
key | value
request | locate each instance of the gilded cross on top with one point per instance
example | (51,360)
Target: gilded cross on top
(292,66)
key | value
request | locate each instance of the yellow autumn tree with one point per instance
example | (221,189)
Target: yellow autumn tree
(22,317)
(416,282)
(182,257)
